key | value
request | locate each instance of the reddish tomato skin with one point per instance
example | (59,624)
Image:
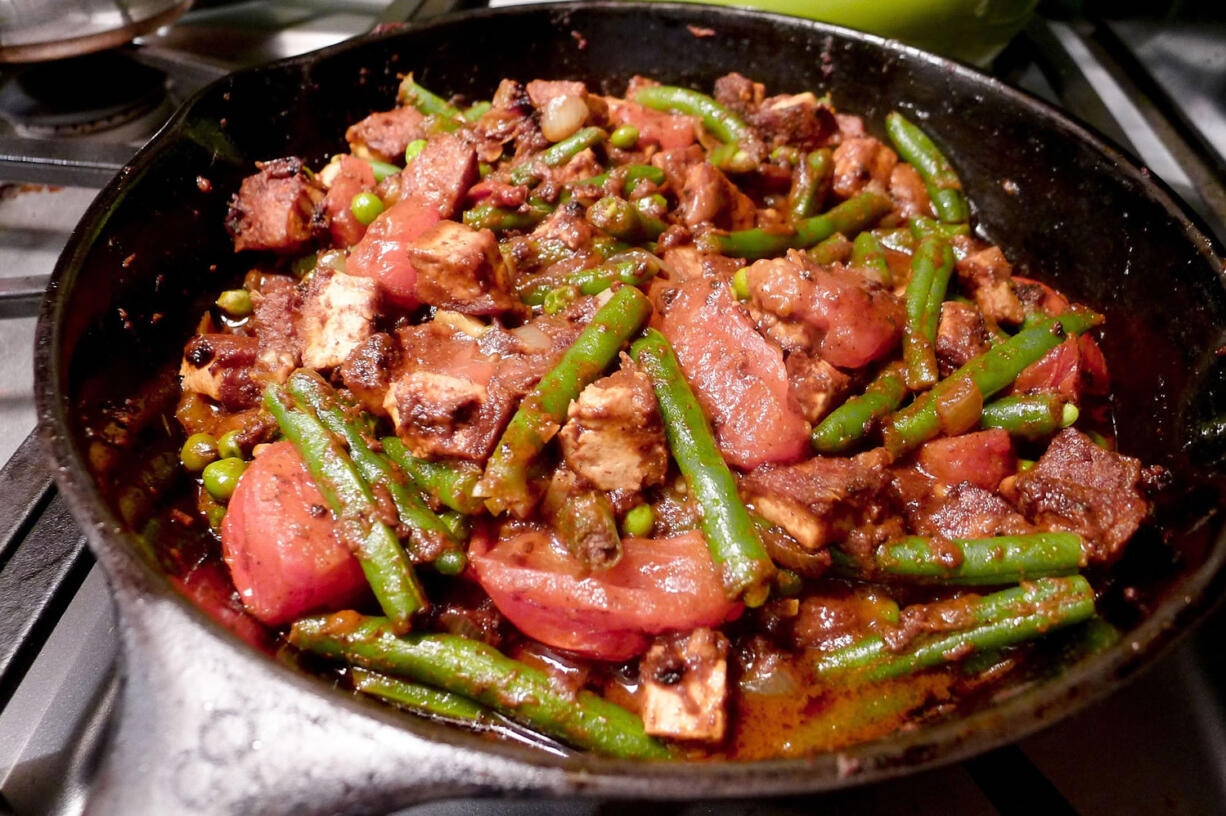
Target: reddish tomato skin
(1056,372)
(285,557)
(353,177)
(982,458)
(659,585)
(1094,375)
(210,588)
(671,131)
(381,253)
(738,377)
(860,325)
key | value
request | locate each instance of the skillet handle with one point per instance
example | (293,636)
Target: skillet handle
(205,725)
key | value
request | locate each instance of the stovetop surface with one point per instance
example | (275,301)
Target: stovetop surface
(1156,746)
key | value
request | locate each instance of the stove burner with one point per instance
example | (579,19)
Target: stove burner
(79,95)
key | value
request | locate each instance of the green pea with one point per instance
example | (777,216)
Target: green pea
(198,451)
(740,284)
(235,302)
(484,169)
(414,150)
(221,477)
(787,582)
(366,207)
(625,137)
(1024,465)
(451,562)
(639,521)
(558,299)
(1069,414)
(228,446)
(382,169)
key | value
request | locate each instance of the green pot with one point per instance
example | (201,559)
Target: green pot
(970,30)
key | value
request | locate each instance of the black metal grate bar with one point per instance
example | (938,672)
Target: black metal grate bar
(45,562)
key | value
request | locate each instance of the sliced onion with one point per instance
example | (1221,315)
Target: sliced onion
(532,339)
(770,677)
(562,116)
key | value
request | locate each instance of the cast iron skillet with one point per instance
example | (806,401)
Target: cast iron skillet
(208,724)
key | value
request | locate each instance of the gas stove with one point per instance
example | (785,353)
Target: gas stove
(1153,86)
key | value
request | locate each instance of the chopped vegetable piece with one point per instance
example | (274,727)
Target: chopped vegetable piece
(384,562)
(944,188)
(505,485)
(481,673)
(730,532)
(1005,618)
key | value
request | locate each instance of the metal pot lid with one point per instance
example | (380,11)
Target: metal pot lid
(38,30)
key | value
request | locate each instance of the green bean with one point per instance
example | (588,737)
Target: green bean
(477,110)
(922,226)
(426,529)
(849,218)
(994,621)
(834,249)
(558,298)
(899,239)
(634,267)
(939,177)
(718,120)
(1032,416)
(848,423)
(976,561)
(425,101)
(505,484)
(736,548)
(383,561)
(450,482)
(867,252)
(810,184)
(501,219)
(382,169)
(481,673)
(418,698)
(558,153)
(630,173)
(989,373)
(931,267)
(586,524)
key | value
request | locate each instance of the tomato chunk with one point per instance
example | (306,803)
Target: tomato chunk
(280,543)
(382,254)
(353,177)
(982,458)
(659,585)
(210,588)
(738,377)
(671,131)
